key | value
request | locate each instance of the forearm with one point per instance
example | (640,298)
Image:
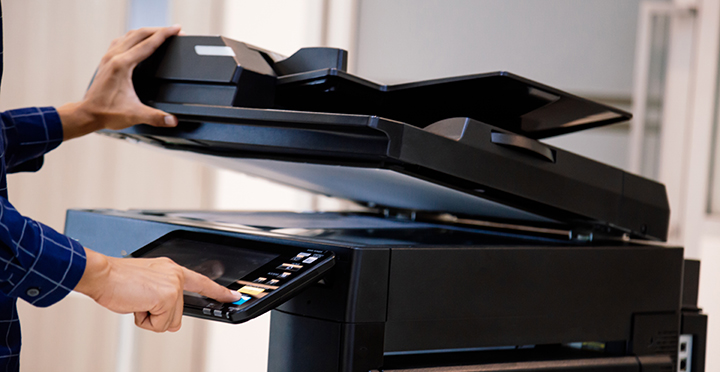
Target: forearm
(77,121)
(97,270)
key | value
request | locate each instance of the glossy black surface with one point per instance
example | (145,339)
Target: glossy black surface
(498,98)
(452,166)
(407,293)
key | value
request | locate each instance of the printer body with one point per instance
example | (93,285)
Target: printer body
(480,248)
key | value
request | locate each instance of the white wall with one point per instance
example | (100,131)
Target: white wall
(709,298)
(584,47)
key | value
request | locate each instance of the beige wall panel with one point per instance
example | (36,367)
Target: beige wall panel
(227,344)
(198,17)
(73,335)
(182,351)
(709,299)
(282,26)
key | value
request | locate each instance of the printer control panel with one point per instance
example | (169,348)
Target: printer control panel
(265,274)
(263,282)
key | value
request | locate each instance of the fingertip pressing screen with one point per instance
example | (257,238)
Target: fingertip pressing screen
(265,274)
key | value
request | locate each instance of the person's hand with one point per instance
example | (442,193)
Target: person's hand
(111,102)
(151,288)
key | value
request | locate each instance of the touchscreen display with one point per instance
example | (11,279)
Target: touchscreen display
(221,263)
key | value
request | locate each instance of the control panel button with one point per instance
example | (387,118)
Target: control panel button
(242,300)
(309,260)
(207,311)
(285,275)
(260,280)
(218,313)
(273,282)
(318,255)
(251,290)
(300,256)
(290,267)
(212,305)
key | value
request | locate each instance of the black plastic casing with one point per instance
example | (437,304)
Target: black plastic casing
(422,301)
(176,71)
(475,134)
(457,153)
(394,307)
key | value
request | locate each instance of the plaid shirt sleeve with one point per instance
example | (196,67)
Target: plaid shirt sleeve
(29,134)
(37,263)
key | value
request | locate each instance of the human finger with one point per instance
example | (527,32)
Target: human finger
(146,47)
(123,43)
(160,321)
(153,320)
(143,320)
(133,37)
(114,43)
(203,285)
(176,320)
(147,321)
(155,117)
(151,116)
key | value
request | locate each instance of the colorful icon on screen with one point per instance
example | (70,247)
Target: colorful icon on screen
(242,300)
(251,290)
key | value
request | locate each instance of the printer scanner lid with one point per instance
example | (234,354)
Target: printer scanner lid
(466,146)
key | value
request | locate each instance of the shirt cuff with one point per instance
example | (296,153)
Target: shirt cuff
(58,267)
(39,130)
(54,126)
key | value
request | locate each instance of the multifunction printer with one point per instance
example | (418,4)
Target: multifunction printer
(475,246)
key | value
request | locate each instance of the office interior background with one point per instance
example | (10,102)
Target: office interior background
(658,59)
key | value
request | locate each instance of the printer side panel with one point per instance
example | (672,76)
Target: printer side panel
(354,291)
(509,296)
(337,325)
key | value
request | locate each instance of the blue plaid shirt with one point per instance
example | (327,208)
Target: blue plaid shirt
(37,263)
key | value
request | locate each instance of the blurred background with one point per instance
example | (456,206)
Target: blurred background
(658,59)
